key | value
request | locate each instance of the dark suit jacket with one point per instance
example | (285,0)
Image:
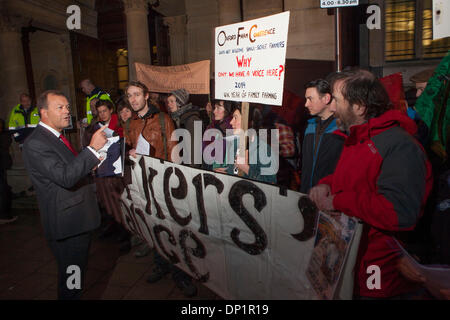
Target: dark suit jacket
(67,202)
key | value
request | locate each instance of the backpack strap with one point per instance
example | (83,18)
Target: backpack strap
(162,123)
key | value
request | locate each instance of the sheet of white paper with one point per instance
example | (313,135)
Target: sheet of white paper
(109,133)
(143,147)
(118,166)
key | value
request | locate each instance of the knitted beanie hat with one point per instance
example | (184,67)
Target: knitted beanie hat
(181,96)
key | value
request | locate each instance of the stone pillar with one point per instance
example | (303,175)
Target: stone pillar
(229,12)
(137,34)
(177,34)
(14,74)
(12,65)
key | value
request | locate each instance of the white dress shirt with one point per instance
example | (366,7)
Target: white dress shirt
(58,134)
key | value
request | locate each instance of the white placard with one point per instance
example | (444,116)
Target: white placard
(441,19)
(338,3)
(250,60)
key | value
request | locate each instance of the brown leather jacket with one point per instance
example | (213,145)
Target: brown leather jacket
(150,127)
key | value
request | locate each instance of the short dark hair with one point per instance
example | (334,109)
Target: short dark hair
(24,95)
(42,101)
(322,86)
(88,81)
(228,105)
(137,84)
(122,103)
(333,77)
(255,117)
(362,87)
(105,103)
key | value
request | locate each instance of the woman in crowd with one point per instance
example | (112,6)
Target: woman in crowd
(125,114)
(250,170)
(185,115)
(221,121)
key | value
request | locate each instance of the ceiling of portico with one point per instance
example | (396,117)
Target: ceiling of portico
(167,8)
(170,8)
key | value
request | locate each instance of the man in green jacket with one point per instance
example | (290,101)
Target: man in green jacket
(92,92)
(23,119)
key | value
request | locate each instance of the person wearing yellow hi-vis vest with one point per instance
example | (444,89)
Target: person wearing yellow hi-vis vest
(92,92)
(23,119)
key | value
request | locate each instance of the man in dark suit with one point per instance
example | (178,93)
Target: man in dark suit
(67,202)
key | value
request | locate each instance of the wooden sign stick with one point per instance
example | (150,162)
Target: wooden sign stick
(244,127)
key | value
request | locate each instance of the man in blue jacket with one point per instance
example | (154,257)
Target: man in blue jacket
(323,142)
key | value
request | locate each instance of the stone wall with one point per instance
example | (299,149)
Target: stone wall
(311,30)
(52,69)
(51,55)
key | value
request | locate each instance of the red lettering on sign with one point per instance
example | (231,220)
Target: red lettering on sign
(243,62)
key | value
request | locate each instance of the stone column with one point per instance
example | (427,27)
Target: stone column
(14,75)
(12,65)
(177,34)
(137,34)
(229,12)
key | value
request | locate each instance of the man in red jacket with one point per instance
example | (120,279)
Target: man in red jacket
(383,178)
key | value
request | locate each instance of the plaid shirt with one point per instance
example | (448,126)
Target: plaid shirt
(287,146)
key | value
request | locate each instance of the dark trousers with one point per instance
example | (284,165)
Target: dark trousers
(178,275)
(71,251)
(5,196)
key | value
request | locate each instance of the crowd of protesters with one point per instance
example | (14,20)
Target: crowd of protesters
(358,156)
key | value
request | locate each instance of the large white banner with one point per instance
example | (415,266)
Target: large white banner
(250,60)
(241,238)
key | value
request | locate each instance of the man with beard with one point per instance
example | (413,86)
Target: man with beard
(155,127)
(323,142)
(382,178)
(152,125)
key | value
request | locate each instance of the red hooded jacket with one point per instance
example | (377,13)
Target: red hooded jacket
(383,178)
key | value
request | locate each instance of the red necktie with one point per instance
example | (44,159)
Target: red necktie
(68,145)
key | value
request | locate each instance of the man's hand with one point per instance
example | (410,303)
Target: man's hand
(322,197)
(326,205)
(410,269)
(221,170)
(242,162)
(132,153)
(209,108)
(98,140)
(318,192)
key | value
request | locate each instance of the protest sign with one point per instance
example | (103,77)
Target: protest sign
(330,249)
(250,60)
(193,77)
(241,238)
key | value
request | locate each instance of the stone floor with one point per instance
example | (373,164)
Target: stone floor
(28,269)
